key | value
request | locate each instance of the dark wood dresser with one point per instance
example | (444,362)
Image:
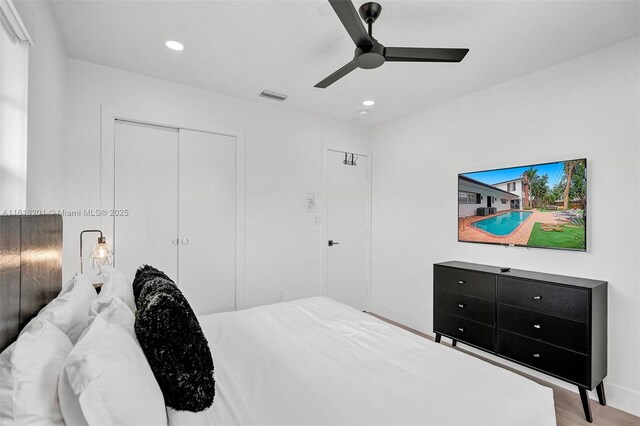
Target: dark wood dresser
(551,323)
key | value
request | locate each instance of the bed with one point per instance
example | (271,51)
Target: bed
(317,361)
(310,361)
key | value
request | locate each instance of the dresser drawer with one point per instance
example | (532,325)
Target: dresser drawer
(558,331)
(466,307)
(563,363)
(471,283)
(465,330)
(562,301)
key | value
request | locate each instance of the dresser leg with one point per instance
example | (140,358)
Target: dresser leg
(438,337)
(454,342)
(584,396)
(601,396)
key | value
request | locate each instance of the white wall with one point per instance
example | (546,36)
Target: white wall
(586,107)
(47,93)
(283,163)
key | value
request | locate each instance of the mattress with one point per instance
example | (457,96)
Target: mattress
(317,361)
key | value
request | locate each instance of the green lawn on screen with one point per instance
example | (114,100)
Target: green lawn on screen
(569,237)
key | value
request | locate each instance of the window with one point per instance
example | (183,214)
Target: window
(468,197)
(14,60)
(503,200)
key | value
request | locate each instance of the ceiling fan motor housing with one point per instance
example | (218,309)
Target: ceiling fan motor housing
(369,57)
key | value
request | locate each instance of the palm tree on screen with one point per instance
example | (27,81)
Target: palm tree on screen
(569,167)
(527,179)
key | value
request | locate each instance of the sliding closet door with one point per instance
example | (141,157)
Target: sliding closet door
(207,195)
(146,193)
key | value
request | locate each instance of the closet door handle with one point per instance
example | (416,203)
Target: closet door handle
(185,241)
(175,241)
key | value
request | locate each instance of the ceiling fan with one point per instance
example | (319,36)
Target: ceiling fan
(369,53)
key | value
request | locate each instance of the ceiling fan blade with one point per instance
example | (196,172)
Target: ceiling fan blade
(423,54)
(337,75)
(351,21)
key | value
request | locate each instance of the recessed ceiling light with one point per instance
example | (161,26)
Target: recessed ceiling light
(363,112)
(174,45)
(368,103)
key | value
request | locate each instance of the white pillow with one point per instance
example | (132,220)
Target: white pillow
(107,375)
(70,310)
(116,284)
(29,371)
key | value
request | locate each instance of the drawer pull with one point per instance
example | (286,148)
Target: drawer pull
(536,355)
(537,297)
(461,305)
(461,329)
(461,281)
(536,326)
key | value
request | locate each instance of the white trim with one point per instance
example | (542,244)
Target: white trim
(624,399)
(111,113)
(12,23)
(363,152)
(393,314)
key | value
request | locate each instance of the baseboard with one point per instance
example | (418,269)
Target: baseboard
(416,323)
(617,396)
(622,398)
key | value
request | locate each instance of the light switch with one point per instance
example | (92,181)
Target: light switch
(311,202)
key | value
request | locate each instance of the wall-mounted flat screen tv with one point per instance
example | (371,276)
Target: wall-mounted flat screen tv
(540,205)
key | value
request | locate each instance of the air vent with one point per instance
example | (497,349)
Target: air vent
(273,95)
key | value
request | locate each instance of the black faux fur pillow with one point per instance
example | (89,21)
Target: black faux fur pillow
(173,342)
(143,274)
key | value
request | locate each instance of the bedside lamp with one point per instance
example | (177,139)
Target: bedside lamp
(101,253)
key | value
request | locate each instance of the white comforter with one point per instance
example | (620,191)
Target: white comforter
(316,361)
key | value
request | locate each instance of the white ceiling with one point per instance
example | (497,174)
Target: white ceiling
(240,48)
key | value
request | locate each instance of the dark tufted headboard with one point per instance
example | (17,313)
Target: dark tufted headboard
(30,269)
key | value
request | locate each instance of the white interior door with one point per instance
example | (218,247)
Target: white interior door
(348,207)
(207,203)
(146,184)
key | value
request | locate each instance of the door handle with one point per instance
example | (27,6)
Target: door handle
(333,243)
(175,241)
(185,241)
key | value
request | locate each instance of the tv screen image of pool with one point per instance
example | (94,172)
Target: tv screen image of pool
(540,205)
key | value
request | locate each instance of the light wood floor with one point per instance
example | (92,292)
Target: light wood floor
(568,406)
